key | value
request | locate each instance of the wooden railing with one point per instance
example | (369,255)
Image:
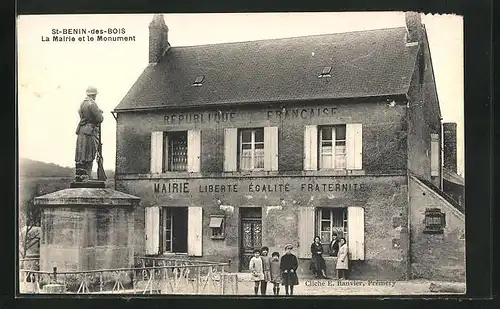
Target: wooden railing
(163,276)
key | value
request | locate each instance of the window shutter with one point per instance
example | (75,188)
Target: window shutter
(230,149)
(156,152)
(165,152)
(194,150)
(195,231)
(434,154)
(306,231)
(271,148)
(356,232)
(311,148)
(152,229)
(354,146)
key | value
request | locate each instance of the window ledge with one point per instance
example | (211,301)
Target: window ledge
(174,254)
(217,237)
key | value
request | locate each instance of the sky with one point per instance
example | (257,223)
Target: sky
(53,76)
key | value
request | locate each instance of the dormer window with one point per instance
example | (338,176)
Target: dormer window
(199,80)
(326,72)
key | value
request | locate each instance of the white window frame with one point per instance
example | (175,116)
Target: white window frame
(334,142)
(252,143)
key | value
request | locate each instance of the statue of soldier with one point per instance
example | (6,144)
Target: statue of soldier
(87,142)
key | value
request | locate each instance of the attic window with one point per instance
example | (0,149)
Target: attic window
(198,81)
(326,72)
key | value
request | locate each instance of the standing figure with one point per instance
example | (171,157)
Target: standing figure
(275,272)
(87,132)
(318,265)
(257,270)
(343,259)
(266,266)
(334,245)
(288,266)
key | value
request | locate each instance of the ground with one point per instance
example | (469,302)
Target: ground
(357,287)
(310,287)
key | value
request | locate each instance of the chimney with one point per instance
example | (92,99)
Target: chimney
(414,27)
(158,38)
(450,146)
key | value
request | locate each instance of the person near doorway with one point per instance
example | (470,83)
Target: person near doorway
(317,265)
(288,266)
(256,268)
(334,245)
(275,272)
(266,266)
(343,259)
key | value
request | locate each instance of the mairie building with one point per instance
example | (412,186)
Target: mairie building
(235,146)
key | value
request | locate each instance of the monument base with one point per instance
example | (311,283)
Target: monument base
(88,184)
(87,228)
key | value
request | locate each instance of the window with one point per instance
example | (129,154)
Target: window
(435,221)
(175,230)
(199,80)
(331,221)
(217,226)
(326,72)
(251,149)
(175,151)
(332,147)
(166,230)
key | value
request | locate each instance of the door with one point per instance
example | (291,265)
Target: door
(175,229)
(251,234)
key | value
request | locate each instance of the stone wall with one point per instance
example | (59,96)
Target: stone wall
(384,133)
(436,256)
(384,199)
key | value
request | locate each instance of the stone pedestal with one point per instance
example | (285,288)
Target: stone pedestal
(86,228)
(53,289)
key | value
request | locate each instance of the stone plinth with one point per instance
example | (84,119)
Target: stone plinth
(86,229)
(53,289)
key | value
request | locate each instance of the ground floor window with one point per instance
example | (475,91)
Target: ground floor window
(331,221)
(174,229)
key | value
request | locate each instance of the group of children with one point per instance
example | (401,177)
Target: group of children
(271,269)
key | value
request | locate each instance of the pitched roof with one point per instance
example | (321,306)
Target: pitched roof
(363,64)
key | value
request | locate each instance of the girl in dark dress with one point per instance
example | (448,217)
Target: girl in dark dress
(318,265)
(288,266)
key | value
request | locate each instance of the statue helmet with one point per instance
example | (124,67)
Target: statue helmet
(91,90)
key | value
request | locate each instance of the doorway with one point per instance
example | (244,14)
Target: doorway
(175,229)
(250,234)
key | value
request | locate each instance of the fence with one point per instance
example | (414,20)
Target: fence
(148,276)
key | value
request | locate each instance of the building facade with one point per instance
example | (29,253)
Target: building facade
(241,145)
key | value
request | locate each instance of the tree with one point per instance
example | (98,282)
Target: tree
(30,217)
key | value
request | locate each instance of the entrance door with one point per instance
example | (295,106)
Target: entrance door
(175,229)
(251,234)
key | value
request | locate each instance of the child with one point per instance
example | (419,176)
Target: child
(288,266)
(266,266)
(257,271)
(275,272)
